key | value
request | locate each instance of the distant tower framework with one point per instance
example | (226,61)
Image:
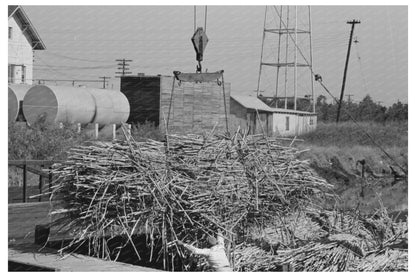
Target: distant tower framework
(287,57)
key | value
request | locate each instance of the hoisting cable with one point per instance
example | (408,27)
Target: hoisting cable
(194,19)
(319,79)
(205,21)
(206,15)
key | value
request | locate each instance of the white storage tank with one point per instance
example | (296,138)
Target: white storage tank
(75,105)
(16,94)
(55,104)
(111,106)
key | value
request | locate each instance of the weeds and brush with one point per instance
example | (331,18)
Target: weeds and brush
(41,141)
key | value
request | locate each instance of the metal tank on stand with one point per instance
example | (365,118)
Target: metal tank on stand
(59,104)
(16,94)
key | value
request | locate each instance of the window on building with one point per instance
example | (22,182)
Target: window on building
(10,70)
(10,32)
(287,123)
(23,74)
(311,121)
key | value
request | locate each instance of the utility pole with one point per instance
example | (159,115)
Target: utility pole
(349,96)
(353,22)
(123,66)
(104,80)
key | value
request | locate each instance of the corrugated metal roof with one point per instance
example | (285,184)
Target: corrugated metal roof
(20,14)
(251,102)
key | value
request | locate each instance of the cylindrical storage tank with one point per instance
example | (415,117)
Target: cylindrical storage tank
(55,104)
(111,106)
(16,94)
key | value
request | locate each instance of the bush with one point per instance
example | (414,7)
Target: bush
(147,130)
(41,141)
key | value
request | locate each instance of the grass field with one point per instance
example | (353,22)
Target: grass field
(334,150)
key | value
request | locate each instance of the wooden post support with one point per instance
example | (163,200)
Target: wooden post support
(129,129)
(24,182)
(114,131)
(96,130)
(79,128)
(40,184)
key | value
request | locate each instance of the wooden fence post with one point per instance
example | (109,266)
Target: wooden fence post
(24,182)
(40,184)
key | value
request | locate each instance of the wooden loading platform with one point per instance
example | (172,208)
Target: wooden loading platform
(25,255)
(31,256)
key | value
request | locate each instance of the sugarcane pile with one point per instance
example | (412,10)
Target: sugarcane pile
(271,207)
(336,241)
(185,188)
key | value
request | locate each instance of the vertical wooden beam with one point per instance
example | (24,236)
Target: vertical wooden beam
(96,130)
(50,179)
(24,182)
(129,129)
(40,184)
(114,131)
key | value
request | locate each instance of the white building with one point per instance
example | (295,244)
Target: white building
(249,112)
(23,40)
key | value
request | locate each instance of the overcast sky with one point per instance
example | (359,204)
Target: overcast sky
(84,41)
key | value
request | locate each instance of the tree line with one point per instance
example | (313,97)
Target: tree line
(365,110)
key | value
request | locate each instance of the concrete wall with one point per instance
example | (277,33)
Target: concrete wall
(20,53)
(196,107)
(298,124)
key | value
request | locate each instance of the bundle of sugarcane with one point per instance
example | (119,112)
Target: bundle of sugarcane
(248,257)
(386,260)
(326,255)
(183,189)
(350,242)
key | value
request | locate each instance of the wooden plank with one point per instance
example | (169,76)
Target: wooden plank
(198,77)
(23,217)
(33,162)
(31,254)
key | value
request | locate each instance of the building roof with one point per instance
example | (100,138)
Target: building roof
(252,102)
(27,26)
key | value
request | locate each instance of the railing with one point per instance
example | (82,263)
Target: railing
(35,167)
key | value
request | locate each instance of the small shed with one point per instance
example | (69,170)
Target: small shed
(250,113)
(288,122)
